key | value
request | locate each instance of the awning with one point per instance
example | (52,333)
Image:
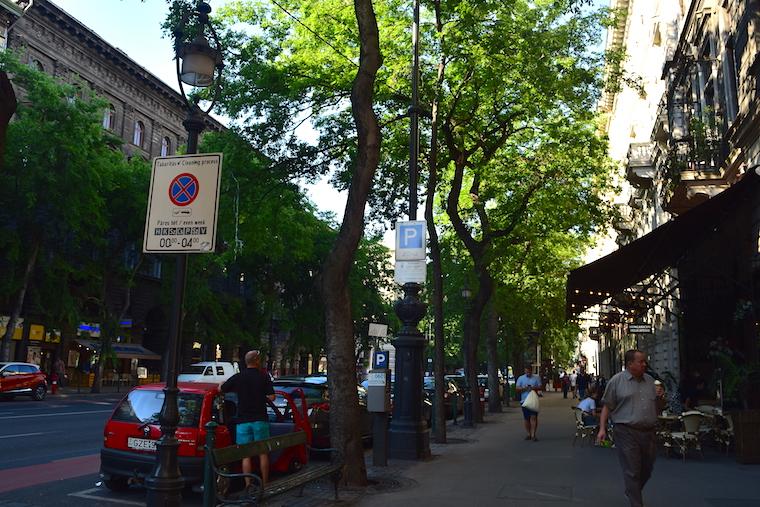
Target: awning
(652,253)
(122,350)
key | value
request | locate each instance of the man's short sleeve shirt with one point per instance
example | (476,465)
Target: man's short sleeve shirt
(525,381)
(631,401)
(252,387)
(588,405)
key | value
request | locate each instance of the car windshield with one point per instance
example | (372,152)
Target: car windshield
(194,370)
(144,406)
(312,394)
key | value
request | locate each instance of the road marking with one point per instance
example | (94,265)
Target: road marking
(86,494)
(32,475)
(21,435)
(56,414)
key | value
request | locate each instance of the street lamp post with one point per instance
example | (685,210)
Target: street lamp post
(409,438)
(468,419)
(201,66)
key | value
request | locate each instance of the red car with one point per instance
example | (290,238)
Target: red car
(130,435)
(22,379)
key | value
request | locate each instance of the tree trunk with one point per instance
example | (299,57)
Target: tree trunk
(472,329)
(11,326)
(492,330)
(344,404)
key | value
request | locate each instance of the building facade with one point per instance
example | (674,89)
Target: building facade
(686,271)
(143,111)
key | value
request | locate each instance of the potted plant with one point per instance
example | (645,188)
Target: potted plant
(740,380)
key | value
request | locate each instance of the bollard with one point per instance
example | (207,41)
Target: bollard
(209,481)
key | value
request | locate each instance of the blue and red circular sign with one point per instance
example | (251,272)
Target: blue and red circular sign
(183,189)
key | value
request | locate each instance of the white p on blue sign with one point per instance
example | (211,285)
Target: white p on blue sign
(380,360)
(410,240)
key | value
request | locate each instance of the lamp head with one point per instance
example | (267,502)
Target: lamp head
(199,62)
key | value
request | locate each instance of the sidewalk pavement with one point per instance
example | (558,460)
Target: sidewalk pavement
(492,465)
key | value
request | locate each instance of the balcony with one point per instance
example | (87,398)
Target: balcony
(640,168)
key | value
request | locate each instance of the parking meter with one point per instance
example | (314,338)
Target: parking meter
(379,403)
(379,391)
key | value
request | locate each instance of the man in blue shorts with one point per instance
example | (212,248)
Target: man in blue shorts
(524,385)
(253,387)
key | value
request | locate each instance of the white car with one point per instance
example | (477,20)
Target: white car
(208,371)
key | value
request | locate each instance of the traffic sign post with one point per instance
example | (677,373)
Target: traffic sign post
(183,204)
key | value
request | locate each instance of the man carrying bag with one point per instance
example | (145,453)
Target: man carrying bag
(528,385)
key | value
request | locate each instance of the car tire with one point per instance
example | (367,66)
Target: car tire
(39,393)
(295,465)
(117,483)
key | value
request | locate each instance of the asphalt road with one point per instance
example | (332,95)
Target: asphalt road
(50,453)
(34,432)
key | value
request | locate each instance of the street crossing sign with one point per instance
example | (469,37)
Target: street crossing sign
(183,204)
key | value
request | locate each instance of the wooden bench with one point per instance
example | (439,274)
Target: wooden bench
(220,458)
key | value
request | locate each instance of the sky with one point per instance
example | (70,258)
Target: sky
(134,26)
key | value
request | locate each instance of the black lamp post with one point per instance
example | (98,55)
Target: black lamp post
(408,435)
(468,421)
(201,67)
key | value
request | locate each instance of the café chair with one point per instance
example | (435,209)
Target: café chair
(689,437)
(582,429)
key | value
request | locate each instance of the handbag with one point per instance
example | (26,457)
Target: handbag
(531,402)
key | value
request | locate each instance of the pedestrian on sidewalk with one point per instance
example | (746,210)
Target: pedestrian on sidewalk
(524,385)
(573,380)
(253,387)
(630,400)
(565,385)
(582,382)
(59,368)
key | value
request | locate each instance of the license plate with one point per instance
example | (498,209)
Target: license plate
(142,444)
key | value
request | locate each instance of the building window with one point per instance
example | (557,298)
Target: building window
(37,65)
(139,135)
(109,117)
(166,147)
(730,82)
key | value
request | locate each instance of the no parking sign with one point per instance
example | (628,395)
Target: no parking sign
(183,203)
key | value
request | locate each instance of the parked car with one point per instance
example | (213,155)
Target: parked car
(461,383)
(22,379)
(130,435)
(452,392)
(208,371)
(318,403)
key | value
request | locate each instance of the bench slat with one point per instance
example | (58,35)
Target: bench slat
(233,453)
(307,474)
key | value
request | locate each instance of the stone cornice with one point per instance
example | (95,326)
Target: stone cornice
(111,55)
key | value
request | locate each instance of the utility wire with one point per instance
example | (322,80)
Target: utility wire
(314,33)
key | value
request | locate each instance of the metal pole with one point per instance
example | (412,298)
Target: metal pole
(414,135)
(165,483)
(409,435)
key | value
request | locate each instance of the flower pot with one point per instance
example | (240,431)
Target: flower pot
(746,436)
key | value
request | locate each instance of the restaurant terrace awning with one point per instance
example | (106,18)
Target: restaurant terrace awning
(122,350)
(654,252)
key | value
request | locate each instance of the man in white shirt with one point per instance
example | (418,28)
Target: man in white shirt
(573,381)
(524,385)
(590,413)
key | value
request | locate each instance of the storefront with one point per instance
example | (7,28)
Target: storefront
(694,281)
(121,368)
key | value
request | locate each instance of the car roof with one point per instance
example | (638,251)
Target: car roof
(185,387)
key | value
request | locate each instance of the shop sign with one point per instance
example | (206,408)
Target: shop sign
(640,328)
